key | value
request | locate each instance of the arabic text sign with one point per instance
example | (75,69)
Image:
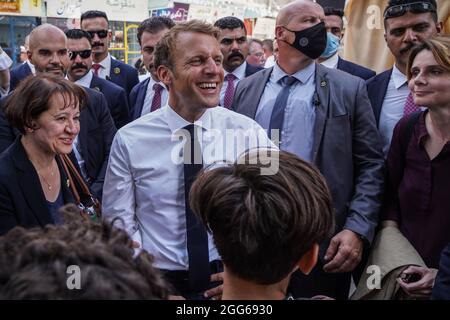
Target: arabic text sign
(179,12)
(10,6)
(116,10)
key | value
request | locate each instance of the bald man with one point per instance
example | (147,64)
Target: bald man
(323,116)
(48,53)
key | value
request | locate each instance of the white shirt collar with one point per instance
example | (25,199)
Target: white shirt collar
(176,122)
(33,70)
(106,63)
(152,82)
(239,72)
(301,75)
(86,80)
(398,77)
(332,61)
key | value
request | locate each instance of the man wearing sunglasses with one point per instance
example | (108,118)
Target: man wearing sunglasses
(79,71)
(96,24)
(407,23)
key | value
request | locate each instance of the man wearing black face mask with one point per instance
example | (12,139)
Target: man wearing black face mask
(324,116)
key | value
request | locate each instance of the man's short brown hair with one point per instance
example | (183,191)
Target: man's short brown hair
(263,224)
(32,97)
(166,47)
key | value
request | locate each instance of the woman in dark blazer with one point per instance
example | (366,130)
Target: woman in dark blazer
(33,185)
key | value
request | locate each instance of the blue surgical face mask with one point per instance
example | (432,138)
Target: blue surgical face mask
(333,44)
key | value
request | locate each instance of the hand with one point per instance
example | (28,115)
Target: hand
(215,293)
(135,244)
(345,250)
(421,288)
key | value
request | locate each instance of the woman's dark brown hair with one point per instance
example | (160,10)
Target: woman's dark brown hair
(31,98)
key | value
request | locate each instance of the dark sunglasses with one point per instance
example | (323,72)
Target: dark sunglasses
(101,33)
(415,7)
(83,54)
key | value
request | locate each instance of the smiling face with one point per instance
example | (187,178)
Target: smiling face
(197,75)
(55,129)
(404,32)
(79,66)
(430,82)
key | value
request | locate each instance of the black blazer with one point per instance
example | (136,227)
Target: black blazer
(355,69)
(95,137)
(116,97)
(18,74)
(123,75)
(22,200)
(137,98)
(376,89)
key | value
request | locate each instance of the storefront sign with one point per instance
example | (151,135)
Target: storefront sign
(10,6)
(179,12)
(116,10)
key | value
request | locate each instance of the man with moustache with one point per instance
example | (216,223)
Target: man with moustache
(323,116)
(234,47)
(151,94)
(155,158)
(96,24)
(407,23)
(79,46)
(48,53)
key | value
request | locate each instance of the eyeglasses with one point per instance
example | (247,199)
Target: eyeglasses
(83,54)
(415,7)
(101,33)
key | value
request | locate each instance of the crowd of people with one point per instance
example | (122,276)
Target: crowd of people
(239,169)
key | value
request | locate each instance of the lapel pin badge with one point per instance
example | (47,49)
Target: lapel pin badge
(96,88)
(68,183)
(323,83)
(116,70)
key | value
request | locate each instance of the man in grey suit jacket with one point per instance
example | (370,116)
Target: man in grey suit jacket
(329,122)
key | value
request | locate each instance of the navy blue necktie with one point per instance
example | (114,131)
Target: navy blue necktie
(277,117)
(197,238)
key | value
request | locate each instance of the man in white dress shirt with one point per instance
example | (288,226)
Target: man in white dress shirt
(147,181)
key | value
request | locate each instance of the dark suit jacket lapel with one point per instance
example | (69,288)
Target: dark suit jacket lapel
(377,91)
(256,89)
(95,84)
(29,183)
(140,98)
(115,77)
(84,120)
(323,94)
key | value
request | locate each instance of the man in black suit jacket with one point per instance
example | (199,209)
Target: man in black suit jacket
(335,25)
(96,24)
(48,53)
(389,91)
(19,73)
(234,47)
(79,71)
(150,94)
